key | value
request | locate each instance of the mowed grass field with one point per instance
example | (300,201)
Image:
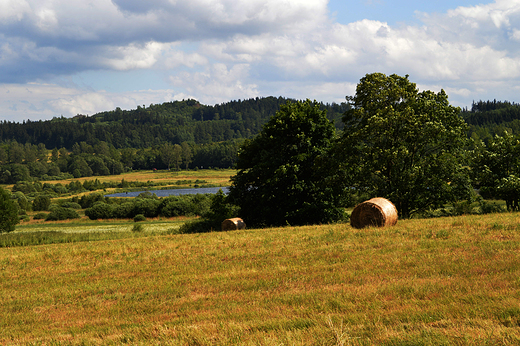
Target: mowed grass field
(444,281)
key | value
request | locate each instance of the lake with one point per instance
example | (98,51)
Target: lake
(172,192)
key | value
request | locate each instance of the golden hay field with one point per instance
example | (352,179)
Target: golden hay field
(443,281)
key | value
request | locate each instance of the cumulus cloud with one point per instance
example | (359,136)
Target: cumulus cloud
(218,50)
(217,84)
(44,101)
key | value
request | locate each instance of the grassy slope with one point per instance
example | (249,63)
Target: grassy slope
(422,282)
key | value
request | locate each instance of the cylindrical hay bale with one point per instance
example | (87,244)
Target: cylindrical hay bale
(376,212)
(233,224)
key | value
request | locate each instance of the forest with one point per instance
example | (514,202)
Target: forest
(188,135)
(174,134)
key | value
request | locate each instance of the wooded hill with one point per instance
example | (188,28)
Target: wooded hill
(190,121)
(489,118)
(173,122)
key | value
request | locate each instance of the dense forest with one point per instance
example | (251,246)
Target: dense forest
(178,134)
(489,118)
(144,127)
(174,134)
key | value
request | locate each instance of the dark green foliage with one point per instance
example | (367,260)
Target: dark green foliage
(221,209)
(123,211)
(40,216)
(146,206)
(70,205)
(87,201)
(41,203)
(60,213)
(8,212)
(21,200)
(139,218)
(403,145)
(100,210)
(280,178)
(138,227)
(496,169)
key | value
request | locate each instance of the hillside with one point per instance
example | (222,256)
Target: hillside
(174,122)
(489,118)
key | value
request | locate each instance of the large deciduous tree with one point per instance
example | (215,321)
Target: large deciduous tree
(280,179)
(404,145)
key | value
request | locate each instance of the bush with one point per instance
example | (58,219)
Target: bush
(25,218)
(40,216)
(139,218)
(8,212)
(100,210)
(137,228)
(491,207)
(41,203)
(148,207)
(60,213)
(123,211)
(71,205)
(87,201)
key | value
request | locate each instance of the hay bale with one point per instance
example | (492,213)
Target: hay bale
(233,224)
(378,212)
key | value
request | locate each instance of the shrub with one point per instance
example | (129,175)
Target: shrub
(124,210)
(139,218)
(148,207)
(137,228)
(41,203)
(88,201)
(60,213)
(71,205)
(100,210)
(40,216)
(8,212)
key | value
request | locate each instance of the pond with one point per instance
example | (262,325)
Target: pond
(172,192)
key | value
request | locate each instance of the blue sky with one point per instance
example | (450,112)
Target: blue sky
(68,57)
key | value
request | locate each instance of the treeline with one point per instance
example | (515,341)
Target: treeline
(486,119)
(145,127)
(26,162)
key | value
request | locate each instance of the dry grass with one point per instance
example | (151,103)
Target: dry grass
(161,176)
(451,281)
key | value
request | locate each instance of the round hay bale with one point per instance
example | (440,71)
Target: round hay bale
(376,212)
(233,224)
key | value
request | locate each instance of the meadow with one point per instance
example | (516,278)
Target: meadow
(439,281)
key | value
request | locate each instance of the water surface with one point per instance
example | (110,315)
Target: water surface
(172,192)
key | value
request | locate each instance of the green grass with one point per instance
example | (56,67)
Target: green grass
(443,281)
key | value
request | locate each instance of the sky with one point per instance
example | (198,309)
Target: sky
(69,57)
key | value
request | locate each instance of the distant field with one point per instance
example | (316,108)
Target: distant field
(443,281)
(220,176)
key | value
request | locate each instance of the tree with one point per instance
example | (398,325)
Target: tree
(41,202)
(8,212)
(170,154)
(279,180)
(403,144)
(495,169)
(186,154)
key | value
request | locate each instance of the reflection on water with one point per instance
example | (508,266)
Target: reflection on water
(172,192)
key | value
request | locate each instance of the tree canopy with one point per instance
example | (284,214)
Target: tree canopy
(403,144)
(279,180)
(8,212)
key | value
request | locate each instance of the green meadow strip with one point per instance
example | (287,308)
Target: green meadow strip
(443,281)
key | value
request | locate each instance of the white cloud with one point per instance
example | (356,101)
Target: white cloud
(217,84)
(44,101)
(219,50)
